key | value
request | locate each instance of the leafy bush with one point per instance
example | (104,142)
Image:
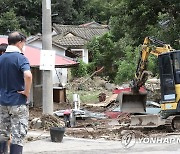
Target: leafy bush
(153,65)
(80,71)
(127,66)
(90,67)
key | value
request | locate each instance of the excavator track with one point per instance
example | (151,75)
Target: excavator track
(171,124)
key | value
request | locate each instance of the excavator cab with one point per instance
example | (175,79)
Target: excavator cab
(169,66)
(167,77)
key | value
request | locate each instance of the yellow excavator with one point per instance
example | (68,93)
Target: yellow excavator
(134,101)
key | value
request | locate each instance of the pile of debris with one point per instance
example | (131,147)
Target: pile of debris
(46,122)
(90,84)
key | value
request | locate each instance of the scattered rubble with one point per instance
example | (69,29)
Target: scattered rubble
(98,120)
(153,88)
(46,122)
(110,86)
(95,83)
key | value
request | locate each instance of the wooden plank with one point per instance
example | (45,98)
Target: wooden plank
(106,102)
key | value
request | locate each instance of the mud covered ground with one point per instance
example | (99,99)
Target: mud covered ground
(93,128)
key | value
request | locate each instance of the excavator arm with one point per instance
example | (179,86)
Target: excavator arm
(134,101)
(150,46)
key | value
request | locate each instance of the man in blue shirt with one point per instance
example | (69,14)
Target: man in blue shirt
(15,84)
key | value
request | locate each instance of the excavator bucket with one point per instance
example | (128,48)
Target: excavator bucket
(132,102)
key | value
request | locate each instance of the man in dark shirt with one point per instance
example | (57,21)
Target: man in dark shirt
(15,84)
(3,47)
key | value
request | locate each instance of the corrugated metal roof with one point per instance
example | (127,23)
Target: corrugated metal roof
(33,55)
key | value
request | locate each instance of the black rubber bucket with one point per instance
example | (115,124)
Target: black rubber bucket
(57,134)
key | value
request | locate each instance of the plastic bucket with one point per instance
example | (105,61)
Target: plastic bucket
(57,134)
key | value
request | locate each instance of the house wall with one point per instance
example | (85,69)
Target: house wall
(86,58)
(60,76)
(61,51)
(36,89)
(58,51)
(36,43)
(36,94)
(62,72)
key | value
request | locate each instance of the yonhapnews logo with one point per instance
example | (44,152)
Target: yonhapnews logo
(129,139)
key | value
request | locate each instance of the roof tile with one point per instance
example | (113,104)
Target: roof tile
(81,34)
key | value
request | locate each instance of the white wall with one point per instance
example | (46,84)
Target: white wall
(85,56)
(60,76)
(37,44)
(58,51)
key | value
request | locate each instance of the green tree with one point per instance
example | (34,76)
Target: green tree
(132,17)
(141,18)
(105,52)
(8,22)
(132,21)
(127,66)
(79,13)
(26,13)
(65,11)
(99,10)
(101,49)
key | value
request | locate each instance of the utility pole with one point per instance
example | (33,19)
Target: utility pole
(47,87)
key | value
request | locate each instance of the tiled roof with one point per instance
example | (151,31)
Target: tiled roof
(81,31)
(93,24)
(74,35)
(69,41)
(31,39)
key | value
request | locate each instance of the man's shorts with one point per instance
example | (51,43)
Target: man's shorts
(14,121)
